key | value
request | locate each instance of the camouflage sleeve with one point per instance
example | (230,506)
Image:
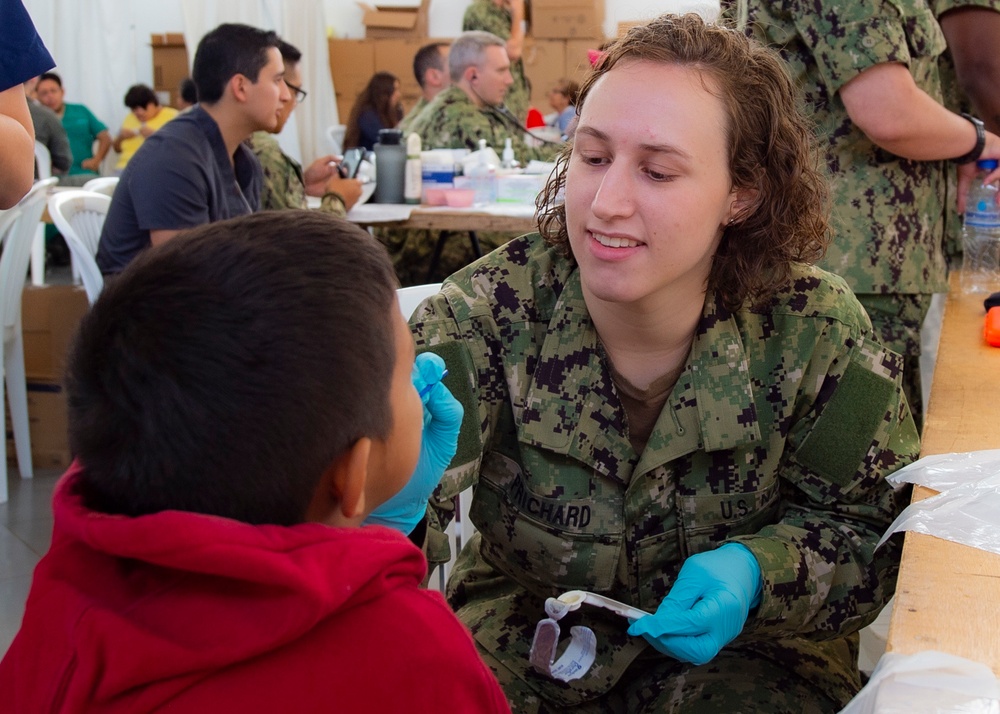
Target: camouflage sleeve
(332,203)
(822,575)
(847,38)
(485,16)
(277,192)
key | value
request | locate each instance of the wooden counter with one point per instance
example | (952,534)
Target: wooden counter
(948,594)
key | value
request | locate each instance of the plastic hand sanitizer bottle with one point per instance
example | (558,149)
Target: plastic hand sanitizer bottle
(507,158)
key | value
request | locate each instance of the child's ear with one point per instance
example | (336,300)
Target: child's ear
(349,477)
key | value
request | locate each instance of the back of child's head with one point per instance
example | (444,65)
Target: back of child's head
(225,370)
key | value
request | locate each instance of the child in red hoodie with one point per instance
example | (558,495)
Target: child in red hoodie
(240,401)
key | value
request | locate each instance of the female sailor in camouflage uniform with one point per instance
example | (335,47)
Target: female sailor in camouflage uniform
(667,404)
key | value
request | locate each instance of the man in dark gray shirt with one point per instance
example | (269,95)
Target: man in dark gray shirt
(50,133)
(196,169)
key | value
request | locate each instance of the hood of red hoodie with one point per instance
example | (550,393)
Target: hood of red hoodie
(191,593)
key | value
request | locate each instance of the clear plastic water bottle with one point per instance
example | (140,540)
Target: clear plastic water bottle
(981,234)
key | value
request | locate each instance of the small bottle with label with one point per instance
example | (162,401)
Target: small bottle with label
(414,172)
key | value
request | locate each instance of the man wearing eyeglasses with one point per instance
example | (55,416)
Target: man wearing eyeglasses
(197,169)
(286,185)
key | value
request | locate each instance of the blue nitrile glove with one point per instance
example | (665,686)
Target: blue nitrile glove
(442,421)
(707,606)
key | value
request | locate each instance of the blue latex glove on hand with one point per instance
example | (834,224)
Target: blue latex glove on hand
(439,442)
(707,606)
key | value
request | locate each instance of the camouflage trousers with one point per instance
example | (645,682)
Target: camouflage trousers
(897,320)
(734,682)
(412,252)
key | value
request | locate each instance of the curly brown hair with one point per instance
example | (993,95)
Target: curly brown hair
(772,154)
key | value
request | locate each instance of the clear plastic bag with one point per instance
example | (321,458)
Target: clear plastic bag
(967,509)
(928,682)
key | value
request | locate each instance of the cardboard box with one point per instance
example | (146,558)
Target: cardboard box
(170,64)
(580,20)
(167,38)
(49,318)
(391,22)
(48,426)
(352,63)
(544,63)
(626,25)
(396,57)
(577,61)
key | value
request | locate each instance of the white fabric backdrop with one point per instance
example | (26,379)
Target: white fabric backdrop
(102,48)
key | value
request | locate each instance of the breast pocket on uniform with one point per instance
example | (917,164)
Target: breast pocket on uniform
(549,544)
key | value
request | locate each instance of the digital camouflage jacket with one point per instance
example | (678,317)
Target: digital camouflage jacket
(284,184)
(888,215)
(778,434)
(452,121)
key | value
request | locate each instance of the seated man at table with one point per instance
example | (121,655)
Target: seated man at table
(469,110)
(246,421)
(472,107)
(197,169)
(50,133)
(145,117)
(286,185)
(430,67)
(82,129)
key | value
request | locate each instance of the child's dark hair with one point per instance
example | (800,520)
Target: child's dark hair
(225,370)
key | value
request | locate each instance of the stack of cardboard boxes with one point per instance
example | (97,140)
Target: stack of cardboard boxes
(49,318)
(559,34)
(170,65)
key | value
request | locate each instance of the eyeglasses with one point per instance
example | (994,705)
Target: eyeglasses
(300,93)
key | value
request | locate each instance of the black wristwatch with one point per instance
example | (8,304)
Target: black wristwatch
(977,150)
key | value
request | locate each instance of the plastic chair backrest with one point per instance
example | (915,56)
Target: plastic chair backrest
(336,135)
(43,160)
(17,252)
(409,298)
(102,184)
(79,216)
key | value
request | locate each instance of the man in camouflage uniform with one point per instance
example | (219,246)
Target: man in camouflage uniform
(888,204)
(469,110)
(504,18)
(285,183)
(972,28)
(430,67)
(563,501)
(472,107)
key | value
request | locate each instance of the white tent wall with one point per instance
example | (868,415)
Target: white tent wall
(102,46)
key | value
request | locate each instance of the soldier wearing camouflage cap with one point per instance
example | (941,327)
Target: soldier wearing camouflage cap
(666,404)
(868,74)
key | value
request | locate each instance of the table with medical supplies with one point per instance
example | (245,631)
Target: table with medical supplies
(502,218)
(947,595)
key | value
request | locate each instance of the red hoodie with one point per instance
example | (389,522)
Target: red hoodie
(183,612)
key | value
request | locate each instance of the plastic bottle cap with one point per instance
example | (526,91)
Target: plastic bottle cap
(987,164)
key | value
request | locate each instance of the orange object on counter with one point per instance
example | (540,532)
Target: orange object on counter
(991,328)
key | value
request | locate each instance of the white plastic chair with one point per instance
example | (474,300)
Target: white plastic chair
(43,163)
(335,134)
(102,184)
(79,216)
(13,275)
(460,530)
(43,160)
(412,296)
